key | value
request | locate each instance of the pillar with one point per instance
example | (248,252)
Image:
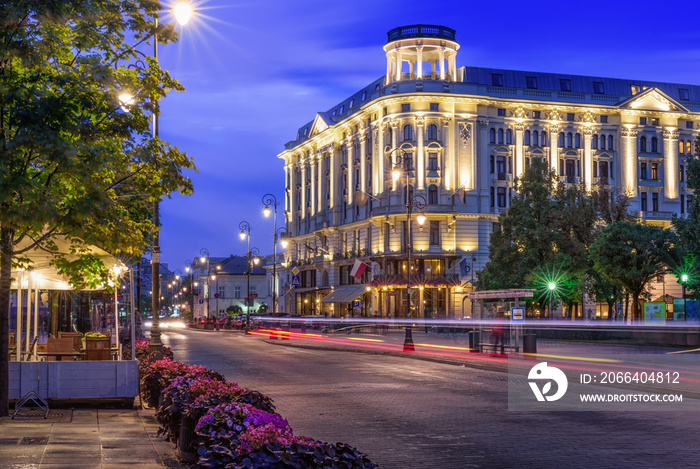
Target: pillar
(519,153)
(303,189)
(448,165)
(321,176)
(378,162)
(587,158)
(351,169)
(420,153)
(671,176)
(419,62)
(394,145)
(363,161)
(314,201)
(442,63)
(554,149)
(628,159)
(398,64)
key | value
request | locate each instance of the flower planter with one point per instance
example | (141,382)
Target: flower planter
(185,442)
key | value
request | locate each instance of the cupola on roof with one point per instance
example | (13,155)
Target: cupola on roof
(410,49)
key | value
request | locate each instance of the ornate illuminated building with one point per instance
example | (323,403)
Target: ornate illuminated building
(466,133)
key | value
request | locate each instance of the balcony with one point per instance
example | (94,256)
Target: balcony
(421,30)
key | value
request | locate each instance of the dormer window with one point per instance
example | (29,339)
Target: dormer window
(565,84)
(531,82)
(684,94)
(598,87)
(497,79)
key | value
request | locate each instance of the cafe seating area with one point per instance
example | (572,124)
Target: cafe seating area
(68,346)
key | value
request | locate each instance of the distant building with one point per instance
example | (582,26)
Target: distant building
(466,133)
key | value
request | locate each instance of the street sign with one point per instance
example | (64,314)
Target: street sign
(356,304)
(216,295)
(201,301)
(296,281)
(517,314)
(295,271)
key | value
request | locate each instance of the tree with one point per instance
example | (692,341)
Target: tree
(75,165)
(234,309)
(632,254)
(688,229)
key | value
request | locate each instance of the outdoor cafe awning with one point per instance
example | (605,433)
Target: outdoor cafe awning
(344,294)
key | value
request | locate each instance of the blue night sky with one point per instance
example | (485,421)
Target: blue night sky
(255,71)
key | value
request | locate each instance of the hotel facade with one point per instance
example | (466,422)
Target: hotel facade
(459,136)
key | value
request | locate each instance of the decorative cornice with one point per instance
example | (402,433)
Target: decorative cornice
(483,123)
(628,132)
(671,134)
(446,120)
(420,120)
(587,131)
(519,113)
(519,127)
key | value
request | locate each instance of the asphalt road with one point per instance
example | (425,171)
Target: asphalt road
(407,413)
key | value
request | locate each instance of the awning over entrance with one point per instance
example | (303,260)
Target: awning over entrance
(344,294)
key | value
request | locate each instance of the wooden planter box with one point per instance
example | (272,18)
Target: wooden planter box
(79,380)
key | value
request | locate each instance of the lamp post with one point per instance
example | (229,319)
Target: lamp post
(204,253)
(190,272)
(270,200)
(418,202)
(552,288)
(183,12)
(245,233)
(684,280)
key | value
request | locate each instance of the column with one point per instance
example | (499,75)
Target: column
(628,161)
(482,181)
(334,174)
(420,153)
(449,164)
(351,169)
(378,162)
(363,160)
(442,63)
(554,149)
(671,164)
(314,202)
(389,61)
(453,66)
(587,158)
(398,64)
(519,153)
(292,194)
(303,189)
(394,145)
(419,62)
(321,176)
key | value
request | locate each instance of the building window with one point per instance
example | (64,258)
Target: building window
(408,132)
(634,89)
(405,107)
(644,201)
(610,142)
(603,119)
(535,138)
(492,165)
(577,140)
(602,142)
(598,87)
(492,135)
(501,112)
(501,197)
(654,201)
(561,139)
(222,291)
(681,146)
(491,198)
(543,139)
(570,116)
(683,94)
(509,137)
(501,166)
(531,82)
(364,95)
(237,291)
(594,142)
(655,171)
(569,140)
(526,138)
(434,106)
(643,120)
(643,171)
(433,161)
(342,108)
(432,194)
(654,121)
(688,124)
(434,233)
(681,173)
(408,157)
(536,114)
(688,147)
(682,204)
(500,136)
(643,144)
(654,145)
(496,79)
(432,132)
(352,103)
(565,84)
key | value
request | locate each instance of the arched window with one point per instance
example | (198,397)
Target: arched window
(561,139)
(535,138)
(569,140)
(432,133)
(577,140)
(654,145)
(526,138)
(594,141)
(602,142)
(543,139)
(408,132)
(432,194)
(509,137)
(410,194)
(681,146)
(643,144)
(610,142)
(492,134)
(688,147)
(500,136)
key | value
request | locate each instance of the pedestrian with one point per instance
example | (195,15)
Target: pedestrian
(498,333)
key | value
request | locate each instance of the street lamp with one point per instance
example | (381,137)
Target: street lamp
(419,203)
(245,233)
(684,281)
(204,257)
(270,200)
(552,287)
(183,12)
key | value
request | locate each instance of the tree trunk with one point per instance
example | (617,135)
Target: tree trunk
(637,314)
(610,310)
(627,306)
(6,251)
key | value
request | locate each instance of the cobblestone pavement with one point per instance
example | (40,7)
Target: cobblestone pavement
(407,413)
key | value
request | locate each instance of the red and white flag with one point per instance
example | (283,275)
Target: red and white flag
(358,269)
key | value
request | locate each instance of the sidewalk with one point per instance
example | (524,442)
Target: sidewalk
(85,438)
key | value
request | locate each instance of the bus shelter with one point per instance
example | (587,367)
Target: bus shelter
(500,309)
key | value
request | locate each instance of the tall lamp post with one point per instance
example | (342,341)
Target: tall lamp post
(419,202)
(270,200)
(684,280)
(183,12)
(204,253)
(245,233)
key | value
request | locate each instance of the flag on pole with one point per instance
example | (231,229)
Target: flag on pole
(358,269)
